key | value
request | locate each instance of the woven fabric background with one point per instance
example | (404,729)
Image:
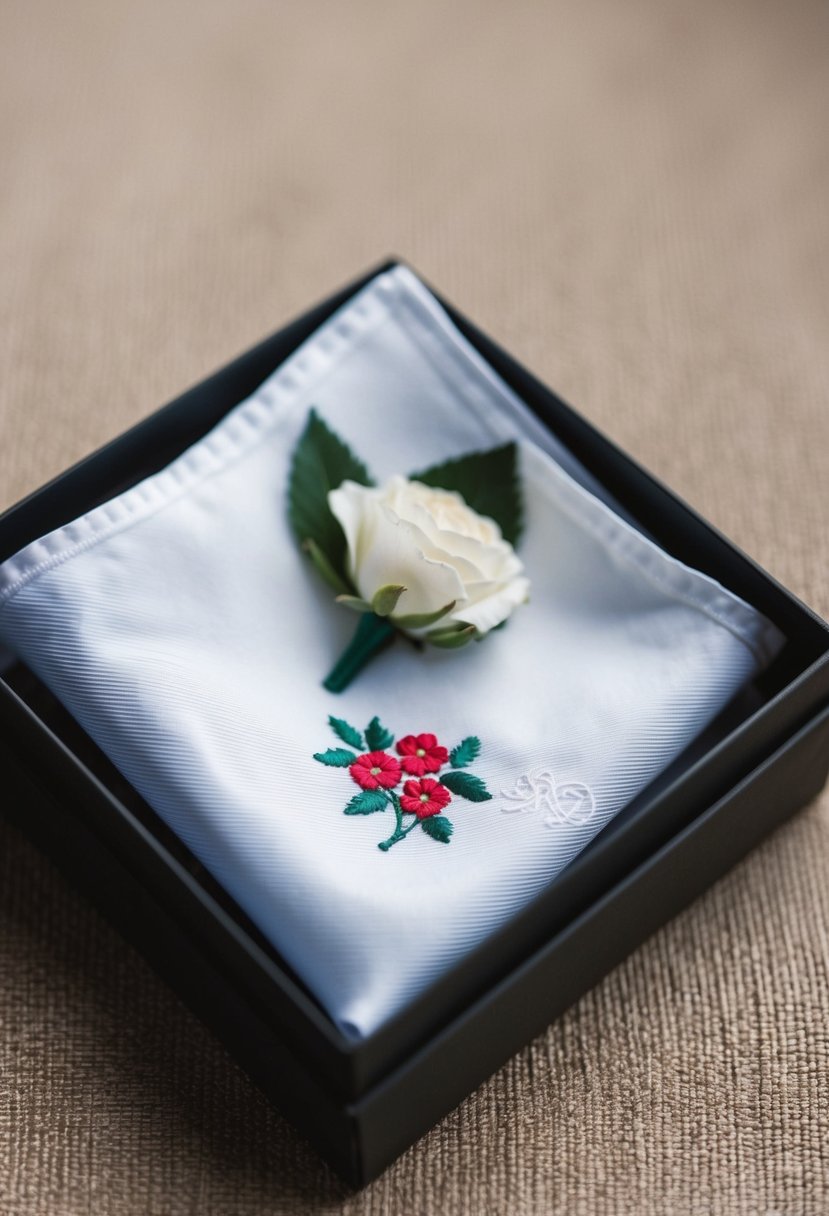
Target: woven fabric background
(635,198)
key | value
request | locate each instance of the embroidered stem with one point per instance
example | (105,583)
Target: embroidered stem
(399,832)
(372,635)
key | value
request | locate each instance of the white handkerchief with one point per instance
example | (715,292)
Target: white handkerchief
(187,634)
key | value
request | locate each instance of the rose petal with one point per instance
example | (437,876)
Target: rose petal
(347,504)
(396,555)
(490,610)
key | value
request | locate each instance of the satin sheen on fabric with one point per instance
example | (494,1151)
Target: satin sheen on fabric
(187,634)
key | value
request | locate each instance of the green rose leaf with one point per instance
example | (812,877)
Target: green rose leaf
(467,750)
(438,827)
(366,803)
(377,737)
(349,734)
(385,599)
(453,637)
(488,482)
(465,785)
(354,603)
(336,757)
(419,620)
(321,462)
(324,568)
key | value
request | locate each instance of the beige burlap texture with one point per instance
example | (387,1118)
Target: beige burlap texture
(635,199)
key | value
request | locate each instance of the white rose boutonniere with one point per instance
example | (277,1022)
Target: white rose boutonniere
(430,556)
(452,572)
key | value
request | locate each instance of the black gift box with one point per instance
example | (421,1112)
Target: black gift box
(362,1103)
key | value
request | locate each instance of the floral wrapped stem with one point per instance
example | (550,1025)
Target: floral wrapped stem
(372,635)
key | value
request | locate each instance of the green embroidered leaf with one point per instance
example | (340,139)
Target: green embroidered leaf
(488,482)
(419,620)
(385,599)
(377,737)
(349,734)
(467,750)
(337,757)
(438,827)
(465,785)
(320,463)
(366,803)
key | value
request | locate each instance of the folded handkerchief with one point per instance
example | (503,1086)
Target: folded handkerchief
(185,631)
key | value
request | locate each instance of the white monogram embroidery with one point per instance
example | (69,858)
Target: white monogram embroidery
(539,792)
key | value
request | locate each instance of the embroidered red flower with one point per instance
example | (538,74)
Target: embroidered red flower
(376,770)
(421,754)
(424,797)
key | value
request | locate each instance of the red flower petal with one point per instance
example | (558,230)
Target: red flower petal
(421,754)
(434,758)
(376,770)
(425,797)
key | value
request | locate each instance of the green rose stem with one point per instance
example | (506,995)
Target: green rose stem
(373,634)
(399,832)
